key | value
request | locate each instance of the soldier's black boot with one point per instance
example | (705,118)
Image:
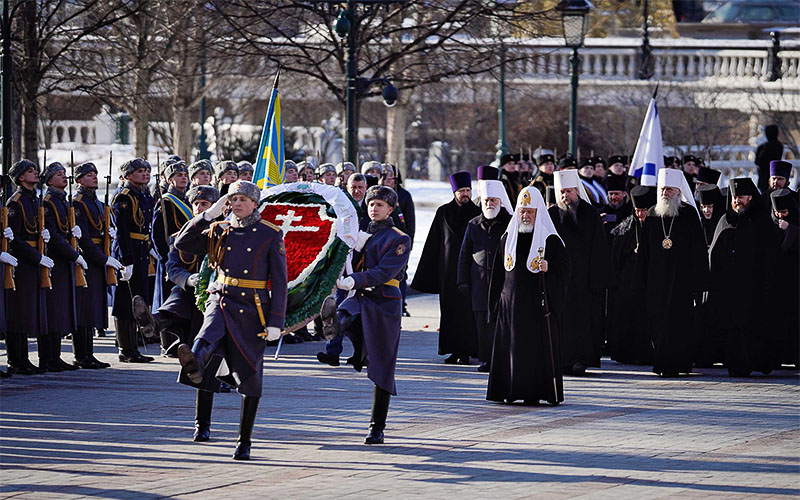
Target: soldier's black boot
(82,348)
(246,421)
(55,353)
(380,408)
(44,345)
(88,333)
(194,359)
(202,415)
(18,362)
(126,340)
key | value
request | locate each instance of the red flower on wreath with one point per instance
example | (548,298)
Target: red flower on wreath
(307,233)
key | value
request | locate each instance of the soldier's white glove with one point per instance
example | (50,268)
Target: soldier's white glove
(112,233)
(363,236)
(192,280)
(154,254)
(46,262)
(112,262)
(783,224)
(273,333)
(345,283)
(8,234)
(216,209)
(76,232)
(126,272)
(82,262)
(9,259)
(45,235)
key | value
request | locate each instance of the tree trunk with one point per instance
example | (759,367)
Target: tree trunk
(396,134)
(140,112)
(30,128)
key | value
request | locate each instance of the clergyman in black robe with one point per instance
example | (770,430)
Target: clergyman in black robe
(628,338)
(742,255)
(672,270)
(437,271)
(591,272)
(530,260)
(785,288)
(765,153)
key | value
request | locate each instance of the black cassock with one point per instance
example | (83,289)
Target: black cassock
(522,358)
(671,279)
(591,272)
(742,256)
(628,338)
(785,291)
(437,272)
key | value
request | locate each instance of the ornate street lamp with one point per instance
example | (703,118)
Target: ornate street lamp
(573,18)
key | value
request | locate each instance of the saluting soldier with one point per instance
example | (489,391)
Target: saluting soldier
(61,296)
(372,316)
(133,212)
(91,301)
(27,300)
(247,252)
(178,315)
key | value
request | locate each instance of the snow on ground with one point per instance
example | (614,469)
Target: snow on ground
(427,196)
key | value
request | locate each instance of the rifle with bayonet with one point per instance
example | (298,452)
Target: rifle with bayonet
(44,271)
(111,274)
(80,276)
(8,271)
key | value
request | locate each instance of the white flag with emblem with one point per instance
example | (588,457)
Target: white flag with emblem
(648,158)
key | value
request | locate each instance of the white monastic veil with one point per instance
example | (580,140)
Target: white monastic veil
(495,189)
(569,179)
(530,197)
(674,178)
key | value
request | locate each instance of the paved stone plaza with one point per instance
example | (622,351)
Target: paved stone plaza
(621,433)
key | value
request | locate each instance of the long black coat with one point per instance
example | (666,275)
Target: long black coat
(742,257)
(232,321)
(628,337)
(91,301)
(525,364)
(476,257)
(591,272)
(27,300)
(670,280)
(133,213)
(406,204)
(61,297)
(785,293)
(437,272)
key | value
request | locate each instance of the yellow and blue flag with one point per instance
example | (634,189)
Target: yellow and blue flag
(268,170)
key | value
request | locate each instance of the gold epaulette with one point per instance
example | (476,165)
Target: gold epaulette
(270,224)
(401,233)
(78,197)
(125,191)
(47,197)
(15,197)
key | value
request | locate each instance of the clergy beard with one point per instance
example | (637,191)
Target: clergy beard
(490,213)
(668,207)
(568,210)
(526,228)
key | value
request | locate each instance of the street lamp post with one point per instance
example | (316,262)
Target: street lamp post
(573,18)
(347,25)
(502,145)
(645,66)
(5,84)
